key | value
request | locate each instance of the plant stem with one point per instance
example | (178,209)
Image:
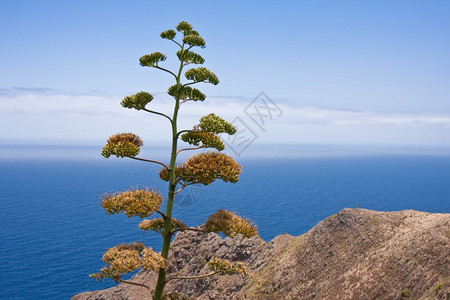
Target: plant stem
(172,185)
(150,160)
(165,70)
(192,148)
(180,189)
(157,113)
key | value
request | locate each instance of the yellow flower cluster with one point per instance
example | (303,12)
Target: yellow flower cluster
(185,27)
(201,74)
(214,123)
(152,59)
(125,258)
(226,267)
(194,40)
(168,34)
(141,203)
(185,92)
(205,168)
(197,137)
(137,101)
(158,225)
(205,133)
(190,56)
(122,145)
(230,224)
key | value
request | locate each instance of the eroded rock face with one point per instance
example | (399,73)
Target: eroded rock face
(355,254)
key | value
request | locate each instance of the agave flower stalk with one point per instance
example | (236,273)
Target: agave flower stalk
(203,168)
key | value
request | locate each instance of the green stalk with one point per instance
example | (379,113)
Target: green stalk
(172,185)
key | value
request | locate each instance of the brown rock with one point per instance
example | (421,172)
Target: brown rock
(355,254)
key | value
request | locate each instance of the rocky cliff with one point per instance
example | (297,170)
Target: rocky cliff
(354,254)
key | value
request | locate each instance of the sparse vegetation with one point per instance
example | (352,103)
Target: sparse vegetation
(437,287)
(405,293)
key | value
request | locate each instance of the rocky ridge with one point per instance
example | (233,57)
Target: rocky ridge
(354,254)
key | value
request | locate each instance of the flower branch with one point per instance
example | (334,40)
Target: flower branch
(151,161)
(158,113)
(137,284)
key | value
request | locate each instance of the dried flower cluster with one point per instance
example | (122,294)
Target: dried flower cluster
(152,261)
(122,145)
(226,267)
(205,168)
(141,203)
(230,224)
(159,224)
(164,172)
(125,258)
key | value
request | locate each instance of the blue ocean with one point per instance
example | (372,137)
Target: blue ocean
(53,231)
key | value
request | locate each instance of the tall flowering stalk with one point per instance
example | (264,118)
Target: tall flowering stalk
(203,168)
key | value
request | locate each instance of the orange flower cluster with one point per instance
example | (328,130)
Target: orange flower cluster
(125,258)
(226,267)
(159,224)
(230,224)
(141,203)
(152,261)
(205,168)
(122,145)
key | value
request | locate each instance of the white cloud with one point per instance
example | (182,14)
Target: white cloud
(84,118)
(357,118)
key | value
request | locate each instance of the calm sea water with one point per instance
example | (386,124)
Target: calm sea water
(53,231)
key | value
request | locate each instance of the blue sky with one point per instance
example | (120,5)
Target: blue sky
(342,72)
